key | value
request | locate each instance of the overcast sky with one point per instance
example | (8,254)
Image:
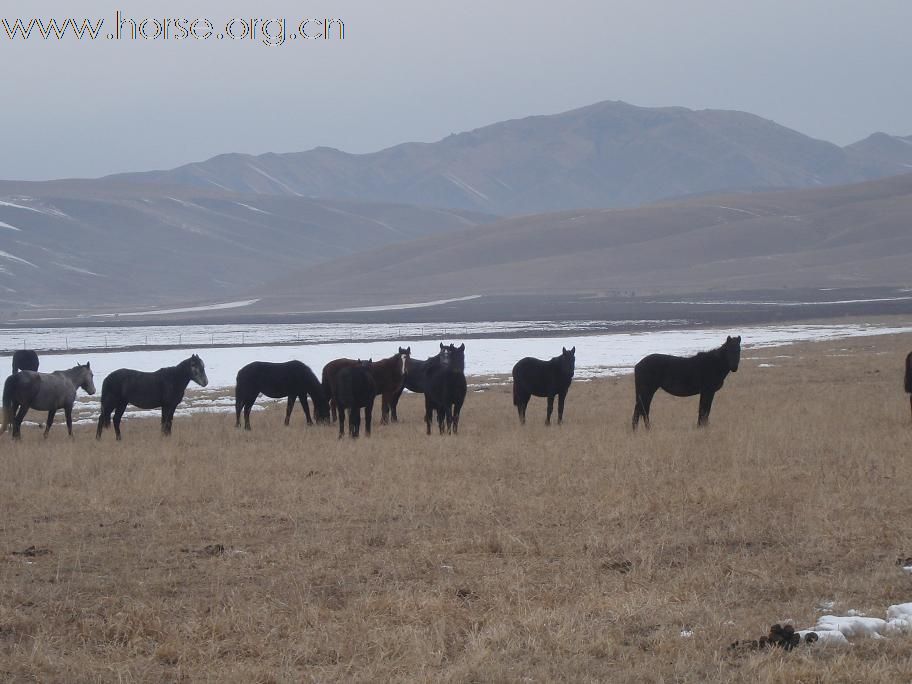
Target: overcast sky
(420,70)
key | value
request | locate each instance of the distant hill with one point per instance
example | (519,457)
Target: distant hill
(850,236)
(87,244)
(609,154)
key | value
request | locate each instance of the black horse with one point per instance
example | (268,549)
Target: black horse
(445,387)
(908,383)
(701,374)
(354,388)
(25,359)
(543,379)
(291,379)
(163,388)
(414,380)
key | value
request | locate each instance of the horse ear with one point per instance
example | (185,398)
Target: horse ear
(408,349)
(462,347)
(573,351)
(563,350)
(441,345)
(88,364)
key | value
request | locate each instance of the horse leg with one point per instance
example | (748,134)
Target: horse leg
(457,407)
(68,414)
(394,404)
(50,419)
(560,407)
(167,418)
(17,421)
(332,408)
(102,419)
(247,408)
(384,409)
(238,405)
(306,408)
(118,414)
(368,415)
(292,398)
(706,401)
(341,423)
(550,410)
(354,422)
(643,402)
(442,415)
(428,413)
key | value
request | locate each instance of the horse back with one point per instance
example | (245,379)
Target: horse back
(142,389)
(679,376)
(539,378)
(54,390)
(354,387)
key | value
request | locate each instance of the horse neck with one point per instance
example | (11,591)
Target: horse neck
(392,365)
(181,372)
(74,375)
(719,362)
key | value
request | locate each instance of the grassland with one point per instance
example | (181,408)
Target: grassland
(577,553)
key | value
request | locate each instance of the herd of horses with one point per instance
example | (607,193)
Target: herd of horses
(352,385)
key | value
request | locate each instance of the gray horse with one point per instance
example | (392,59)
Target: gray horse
(45,392)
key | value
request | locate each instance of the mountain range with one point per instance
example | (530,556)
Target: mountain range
(606,155)
(605,197)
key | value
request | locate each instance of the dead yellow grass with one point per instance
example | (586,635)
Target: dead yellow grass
(504,554)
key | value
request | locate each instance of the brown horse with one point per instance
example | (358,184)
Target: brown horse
(388,375)
(908,382)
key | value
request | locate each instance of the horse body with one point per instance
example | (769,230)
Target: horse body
(702,374)
(535,377)
(415,380)
(291,379)
(445,388)
(354,389)
(162,388)
(45,392)
(25,359)
(908,382)
(388,377)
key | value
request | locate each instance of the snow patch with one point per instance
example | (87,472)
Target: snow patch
(9,227)
(273,179)
(10,257)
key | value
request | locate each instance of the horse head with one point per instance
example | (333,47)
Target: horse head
(457,360)
(198,371)
(568,360)
(84,377)
(404,355)
(732,352)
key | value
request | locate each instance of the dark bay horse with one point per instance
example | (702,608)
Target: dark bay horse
(535,377)
(388,375)
(415,378)
(445,387)
(45,392)
(354,389)
(291,379)
(701,374)
(25,359)
(162,388)
(908,383)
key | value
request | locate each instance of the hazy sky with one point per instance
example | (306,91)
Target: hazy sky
(420,70)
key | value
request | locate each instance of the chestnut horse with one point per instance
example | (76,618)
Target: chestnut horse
(388,375)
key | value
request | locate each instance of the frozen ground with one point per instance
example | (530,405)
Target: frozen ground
(596,355)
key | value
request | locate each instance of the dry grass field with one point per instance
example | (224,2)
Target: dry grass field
(577,553)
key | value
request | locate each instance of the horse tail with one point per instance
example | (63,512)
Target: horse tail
(909,373)
(515,393)
(8,388)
